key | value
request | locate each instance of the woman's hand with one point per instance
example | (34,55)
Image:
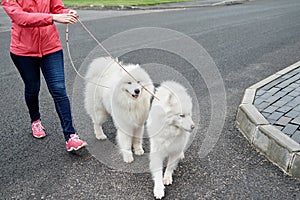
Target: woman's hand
(74,12)
(69,18)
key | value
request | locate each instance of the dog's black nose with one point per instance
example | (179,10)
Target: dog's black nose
(137,91)
(192,127)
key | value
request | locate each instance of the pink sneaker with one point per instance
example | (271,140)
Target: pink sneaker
(74,143)
(37,129)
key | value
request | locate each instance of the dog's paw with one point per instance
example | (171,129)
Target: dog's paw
(139,151)
(159,193)
(101,136)
(128,158)
(168,180)
(182,156)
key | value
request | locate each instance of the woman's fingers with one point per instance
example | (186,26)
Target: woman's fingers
(74,13)
(65,18)
(72,19)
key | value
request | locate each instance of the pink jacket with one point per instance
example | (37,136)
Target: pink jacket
(33,32)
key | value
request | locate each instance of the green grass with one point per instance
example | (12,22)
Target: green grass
(117,2)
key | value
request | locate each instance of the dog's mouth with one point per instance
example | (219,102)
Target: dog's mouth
(135,96)
(188,130)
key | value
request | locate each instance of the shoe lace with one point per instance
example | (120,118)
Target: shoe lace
(37,126)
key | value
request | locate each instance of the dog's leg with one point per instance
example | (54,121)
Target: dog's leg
(98,120)
(137,141)
(156,168)
(125,143)
(171,166)
(99,132)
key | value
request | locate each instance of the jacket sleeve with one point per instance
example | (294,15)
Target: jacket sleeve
(57,7)
(22,18)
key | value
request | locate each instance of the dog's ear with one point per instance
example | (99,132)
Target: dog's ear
(172,99)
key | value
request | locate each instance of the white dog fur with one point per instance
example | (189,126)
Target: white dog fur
(169,127)
(125,100)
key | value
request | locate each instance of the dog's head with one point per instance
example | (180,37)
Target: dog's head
(180,112)
(132,88)
(178,108)
(135,87)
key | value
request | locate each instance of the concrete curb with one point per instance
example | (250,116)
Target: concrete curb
(171,6)
(268,140)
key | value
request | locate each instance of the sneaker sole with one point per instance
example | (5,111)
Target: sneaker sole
(75,149)
(39,137)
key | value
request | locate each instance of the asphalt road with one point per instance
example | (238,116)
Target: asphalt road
(216,52)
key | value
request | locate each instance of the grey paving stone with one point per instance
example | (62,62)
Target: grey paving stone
(297,70)
(280,94)
(283,121)
(268,86)
(293,80)
(295,77)
(262,106)
(288,89)
(260,92)
(279,103)
(266,115)
(284,84)
(297,108)
(271,121)
(278,127)
(273,83)
(258,100)
(285,109)
(267,95)
(296,121)
(294,73)
(297,99)
(273,90)
(296,136)
(270,109)
(288,75)
(294,85)
(292,114)
(275,115)
(271,99)
(294,93)
(290,129)
(287,98)
(293,103)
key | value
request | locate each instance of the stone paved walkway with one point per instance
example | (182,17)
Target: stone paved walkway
(279,103)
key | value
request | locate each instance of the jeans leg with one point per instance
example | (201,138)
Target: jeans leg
(52,66)
(29,69)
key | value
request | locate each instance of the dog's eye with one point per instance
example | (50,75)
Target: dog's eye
(138,82)
(129,83)
(182,115)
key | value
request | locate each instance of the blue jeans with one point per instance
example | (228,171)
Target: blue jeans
(52,67)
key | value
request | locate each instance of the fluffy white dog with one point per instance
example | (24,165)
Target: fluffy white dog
(126,100)
(169,127)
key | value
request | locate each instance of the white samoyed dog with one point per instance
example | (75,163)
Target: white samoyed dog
(126,100)
(169,127)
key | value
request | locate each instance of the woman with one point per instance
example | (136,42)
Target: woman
(35,46)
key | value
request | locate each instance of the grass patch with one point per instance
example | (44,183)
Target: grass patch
(118,2)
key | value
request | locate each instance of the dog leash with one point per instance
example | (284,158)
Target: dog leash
(72,63)
(107,52)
